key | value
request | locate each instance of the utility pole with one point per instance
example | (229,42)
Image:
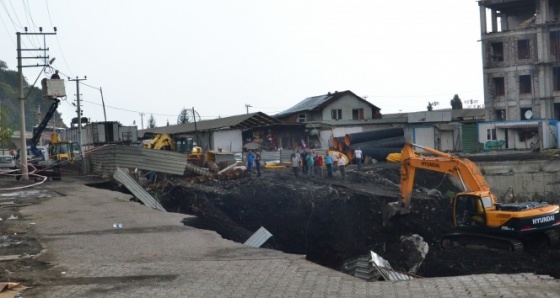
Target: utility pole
(103,102)
(247,106)
(142,121)
(23,143)
(79,111)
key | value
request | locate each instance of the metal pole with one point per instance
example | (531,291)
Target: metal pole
(23,144)
(80,124)
(103,102)
(79,112)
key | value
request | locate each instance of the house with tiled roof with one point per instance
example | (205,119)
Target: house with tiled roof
(345,105)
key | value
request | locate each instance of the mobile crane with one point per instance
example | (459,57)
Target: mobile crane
(59,150)
(481,220)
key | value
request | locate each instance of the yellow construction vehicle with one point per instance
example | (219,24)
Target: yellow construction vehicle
(481,220)
(161,142)
(166,142)
(62,150)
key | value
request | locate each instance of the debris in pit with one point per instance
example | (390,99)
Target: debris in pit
(415,249)
(8,241)
(139,192)
(362,268)
(373,268)
(258,238)
(385,269)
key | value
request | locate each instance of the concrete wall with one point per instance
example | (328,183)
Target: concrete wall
(227,140)
(531,179)
(424,136)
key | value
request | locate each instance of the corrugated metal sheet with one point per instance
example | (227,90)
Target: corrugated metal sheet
(386,270)
(258,238)
(106,160)
(361,267)
(136,189)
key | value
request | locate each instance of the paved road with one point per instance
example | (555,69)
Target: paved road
(154,255)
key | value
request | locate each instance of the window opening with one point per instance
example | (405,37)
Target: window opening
(525,84)
(499,86)
(523,50)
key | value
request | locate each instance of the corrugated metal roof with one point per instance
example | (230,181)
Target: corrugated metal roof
(243,121)
(361,267)
(137,190)
(258,238)
(386,270)
(105,160)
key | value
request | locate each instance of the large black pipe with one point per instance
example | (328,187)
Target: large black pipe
(380,154)
(360,137)
(393,142)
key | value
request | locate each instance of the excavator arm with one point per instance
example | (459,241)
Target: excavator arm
(461,168)
(161,142)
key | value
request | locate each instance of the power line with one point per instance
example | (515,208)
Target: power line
(6,27)
(27,11)
(58,40)
(19,22)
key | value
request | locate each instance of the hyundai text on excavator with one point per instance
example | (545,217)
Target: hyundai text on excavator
(481,220)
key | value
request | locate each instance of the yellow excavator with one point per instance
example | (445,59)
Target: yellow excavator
(161,142)
(166,142)
(481,220)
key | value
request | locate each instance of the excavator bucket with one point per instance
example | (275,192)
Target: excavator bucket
(392,209)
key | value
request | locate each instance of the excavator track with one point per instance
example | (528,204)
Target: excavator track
(481,241)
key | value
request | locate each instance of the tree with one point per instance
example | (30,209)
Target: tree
(151,121)
(456,103)
(430,107)
(183,117)
(6,130)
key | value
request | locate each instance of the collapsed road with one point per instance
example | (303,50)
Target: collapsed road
(330,220)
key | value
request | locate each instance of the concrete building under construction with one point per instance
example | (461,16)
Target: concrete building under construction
(521,59)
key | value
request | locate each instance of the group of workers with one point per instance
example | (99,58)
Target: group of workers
(311,163)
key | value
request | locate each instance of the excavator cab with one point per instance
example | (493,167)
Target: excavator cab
(468,211)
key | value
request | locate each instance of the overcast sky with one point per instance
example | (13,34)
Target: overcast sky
(158,57)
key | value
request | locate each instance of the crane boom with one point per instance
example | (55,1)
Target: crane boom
(39,130)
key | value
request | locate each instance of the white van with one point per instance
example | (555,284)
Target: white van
(43,149)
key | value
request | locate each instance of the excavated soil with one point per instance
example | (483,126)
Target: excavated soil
(331,220)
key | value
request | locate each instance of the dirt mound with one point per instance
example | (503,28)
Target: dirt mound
(331,220)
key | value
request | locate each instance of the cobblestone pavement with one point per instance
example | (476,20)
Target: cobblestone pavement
(154,255)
